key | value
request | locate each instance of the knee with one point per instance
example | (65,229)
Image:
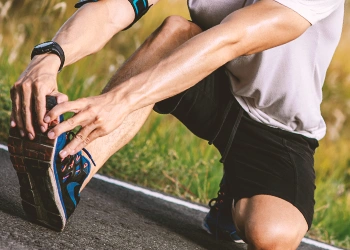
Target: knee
(273,237)
(177,25)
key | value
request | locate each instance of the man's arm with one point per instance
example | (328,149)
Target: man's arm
(92,26)
(258,27)
(86,32)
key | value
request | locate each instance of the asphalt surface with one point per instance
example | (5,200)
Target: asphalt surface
(108,217)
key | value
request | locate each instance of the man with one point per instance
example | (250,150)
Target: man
(245,75)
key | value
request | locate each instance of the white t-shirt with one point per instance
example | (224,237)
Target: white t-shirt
(282,87)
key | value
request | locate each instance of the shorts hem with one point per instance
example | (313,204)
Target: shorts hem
(278,195)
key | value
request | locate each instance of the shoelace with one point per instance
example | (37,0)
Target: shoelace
(218,205)
(218,200)
(69,134)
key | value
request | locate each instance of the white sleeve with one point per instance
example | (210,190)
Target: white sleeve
(312,10)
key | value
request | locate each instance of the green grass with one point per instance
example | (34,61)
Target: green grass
(164,155)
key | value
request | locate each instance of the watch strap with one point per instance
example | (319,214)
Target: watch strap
(53,48)
(82,2)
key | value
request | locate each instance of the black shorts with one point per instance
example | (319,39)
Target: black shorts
(258,159)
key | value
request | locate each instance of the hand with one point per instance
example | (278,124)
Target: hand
(28,94)
(97,116)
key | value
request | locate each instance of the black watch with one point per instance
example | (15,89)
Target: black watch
(49,47)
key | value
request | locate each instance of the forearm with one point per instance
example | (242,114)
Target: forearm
(84,33)
(185,67)
(239,34)
(92,26)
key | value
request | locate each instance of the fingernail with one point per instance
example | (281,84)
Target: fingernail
(22,133)
(42,128)
(63,153)
(13,124)
(51,135)
(47,119)
(31,137)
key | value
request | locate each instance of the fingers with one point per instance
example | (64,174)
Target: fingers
(29,105)
(12,120)
(64,107)
(60,97)
(65,126)
(27,109)
(16,118)
(41,107)
(29,94)
(13,113)
(81,140)
(90,113)
(81,119)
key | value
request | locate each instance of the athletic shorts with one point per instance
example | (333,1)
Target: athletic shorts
(257,159)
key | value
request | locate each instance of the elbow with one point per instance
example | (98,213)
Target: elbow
(116,10)
(241,39)
(234,43)
(121,13)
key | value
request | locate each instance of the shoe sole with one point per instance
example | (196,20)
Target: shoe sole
(33,162)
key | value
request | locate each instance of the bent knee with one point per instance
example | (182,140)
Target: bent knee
(272,237)
(268,222)
(177,25)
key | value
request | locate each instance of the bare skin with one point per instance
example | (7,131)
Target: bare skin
(265,222)
(171,34)
(77,38)
(268,222)
(184,67)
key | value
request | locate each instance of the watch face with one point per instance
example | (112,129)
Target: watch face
(42,45)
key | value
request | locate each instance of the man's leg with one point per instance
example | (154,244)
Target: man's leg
(265,222)
(270,175)
(172,33)
(268,222)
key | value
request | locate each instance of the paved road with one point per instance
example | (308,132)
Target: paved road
(108,217)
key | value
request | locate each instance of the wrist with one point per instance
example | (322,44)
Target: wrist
(50,61)
(119,97)
(49,47)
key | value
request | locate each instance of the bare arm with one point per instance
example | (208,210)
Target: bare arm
(258,27)
(92,26)
(86,32)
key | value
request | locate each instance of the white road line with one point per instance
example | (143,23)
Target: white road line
(189,205)
(181,202)
(320,244)
(152,193)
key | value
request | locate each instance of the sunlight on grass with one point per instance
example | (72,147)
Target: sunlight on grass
(164,155)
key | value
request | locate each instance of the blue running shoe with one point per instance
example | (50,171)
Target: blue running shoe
(49,187)
(218,221)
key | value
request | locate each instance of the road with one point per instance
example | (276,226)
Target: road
(108,217)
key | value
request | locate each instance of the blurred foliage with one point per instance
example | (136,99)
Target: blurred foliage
(164,155)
